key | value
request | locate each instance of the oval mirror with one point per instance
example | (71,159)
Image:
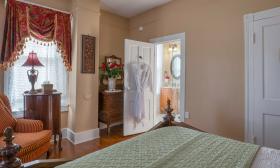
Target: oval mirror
(175,67)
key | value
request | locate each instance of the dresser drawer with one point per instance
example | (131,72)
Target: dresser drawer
(110,107)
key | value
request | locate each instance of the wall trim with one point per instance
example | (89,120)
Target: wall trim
(267,14)
(80,137)
(249,59)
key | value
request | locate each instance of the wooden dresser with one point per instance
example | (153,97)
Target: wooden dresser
(45,107)
(110,108)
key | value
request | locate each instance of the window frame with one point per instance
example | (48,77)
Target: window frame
(20,113)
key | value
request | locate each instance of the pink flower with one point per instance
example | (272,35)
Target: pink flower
(113,65)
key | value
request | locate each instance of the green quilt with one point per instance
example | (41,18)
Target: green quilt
(171,147)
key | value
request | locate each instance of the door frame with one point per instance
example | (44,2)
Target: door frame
(181,37)
(249,37)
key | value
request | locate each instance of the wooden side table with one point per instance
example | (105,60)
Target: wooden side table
(111,108)
(45,107)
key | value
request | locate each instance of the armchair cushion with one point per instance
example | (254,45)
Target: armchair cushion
(28,126)
(6,118)
(33,145)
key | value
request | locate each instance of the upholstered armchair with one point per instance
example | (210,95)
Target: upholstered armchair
(29,134)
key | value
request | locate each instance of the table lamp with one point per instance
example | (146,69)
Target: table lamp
(32,74)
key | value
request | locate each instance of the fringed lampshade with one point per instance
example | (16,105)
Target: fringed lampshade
(32,60)
(32,74)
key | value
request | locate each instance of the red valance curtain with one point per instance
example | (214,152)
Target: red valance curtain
(25,20)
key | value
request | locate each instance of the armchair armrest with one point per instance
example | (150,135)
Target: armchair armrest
(27,126)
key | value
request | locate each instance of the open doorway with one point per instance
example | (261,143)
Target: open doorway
(170,76)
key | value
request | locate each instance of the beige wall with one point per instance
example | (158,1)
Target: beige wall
(215,56)
(64,120)
(83,114)
(113,31)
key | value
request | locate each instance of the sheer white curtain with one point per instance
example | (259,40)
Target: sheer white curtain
(16,80)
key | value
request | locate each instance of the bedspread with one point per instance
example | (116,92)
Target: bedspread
(171,147)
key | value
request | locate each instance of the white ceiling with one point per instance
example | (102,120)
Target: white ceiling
(130,8)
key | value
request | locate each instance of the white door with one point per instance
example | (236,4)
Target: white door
(266,82)
(136,51)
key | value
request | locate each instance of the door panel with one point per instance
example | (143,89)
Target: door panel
(133,53)
(271,61)
(271,125)
(266,82)
(136,51)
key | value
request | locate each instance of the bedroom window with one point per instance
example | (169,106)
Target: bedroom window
(54,71)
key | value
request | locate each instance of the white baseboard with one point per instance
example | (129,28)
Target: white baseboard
(104,126)
(80,137)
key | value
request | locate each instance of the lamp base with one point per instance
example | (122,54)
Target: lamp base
(168,118)
(32,77)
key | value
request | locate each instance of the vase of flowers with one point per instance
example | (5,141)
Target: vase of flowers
(112,84)
(112,71)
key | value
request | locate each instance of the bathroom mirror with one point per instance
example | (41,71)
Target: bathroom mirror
(175,67)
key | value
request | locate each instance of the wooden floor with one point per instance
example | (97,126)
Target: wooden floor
(71,151)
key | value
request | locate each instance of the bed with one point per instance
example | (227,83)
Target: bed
(175,147)
(179,147)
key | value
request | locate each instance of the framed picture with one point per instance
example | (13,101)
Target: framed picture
(113,59)
(88,54)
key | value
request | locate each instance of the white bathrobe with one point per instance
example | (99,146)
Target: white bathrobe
(138,77)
